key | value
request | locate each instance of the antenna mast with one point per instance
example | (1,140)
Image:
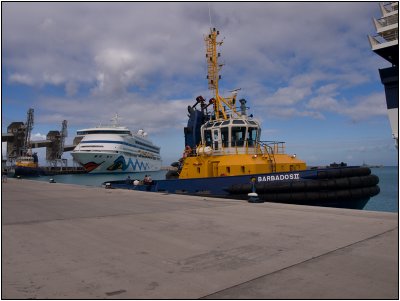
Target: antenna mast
(213,68)
(209,13)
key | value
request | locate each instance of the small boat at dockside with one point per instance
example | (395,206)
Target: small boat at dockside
(225,157)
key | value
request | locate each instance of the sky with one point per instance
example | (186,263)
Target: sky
(306,70)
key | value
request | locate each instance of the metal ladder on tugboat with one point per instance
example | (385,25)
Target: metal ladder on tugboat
(271,156)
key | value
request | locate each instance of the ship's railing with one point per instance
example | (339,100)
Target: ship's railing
(385,37)
(276,147)
(391,6)
(230,114)
(387,26)
(251,147)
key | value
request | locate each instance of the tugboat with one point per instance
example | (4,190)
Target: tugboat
(224,157)
(28,165)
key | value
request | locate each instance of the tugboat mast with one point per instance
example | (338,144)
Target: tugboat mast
(213,68)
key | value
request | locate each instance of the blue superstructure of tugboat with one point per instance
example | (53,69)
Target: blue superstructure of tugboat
(224,157)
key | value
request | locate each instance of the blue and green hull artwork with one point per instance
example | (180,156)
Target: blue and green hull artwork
(119,164)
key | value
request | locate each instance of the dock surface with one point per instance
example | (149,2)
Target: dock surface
(63,241)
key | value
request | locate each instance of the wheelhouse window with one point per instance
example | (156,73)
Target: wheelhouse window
(225,136)
(252,136)
(207,137)
(238,135)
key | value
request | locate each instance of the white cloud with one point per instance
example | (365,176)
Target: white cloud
(134,111)
(59,43)
(38,136)
(145,60)
(328,89)
(287,112)
(370,105)
(360,109)
(288,95)
(21,79)
(116,71)
(325,103)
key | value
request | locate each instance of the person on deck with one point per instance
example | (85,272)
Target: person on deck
(147,180)
(187,152)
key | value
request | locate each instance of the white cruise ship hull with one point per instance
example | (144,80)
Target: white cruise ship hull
(114,162)
(115,150)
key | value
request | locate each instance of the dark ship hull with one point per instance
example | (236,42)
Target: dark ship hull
(28,171)
(343,187)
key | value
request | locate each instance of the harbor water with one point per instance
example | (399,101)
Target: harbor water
(387,200)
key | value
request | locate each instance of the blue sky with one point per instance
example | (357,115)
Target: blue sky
(306,70)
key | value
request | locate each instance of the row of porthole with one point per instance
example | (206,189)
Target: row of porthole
(101,156)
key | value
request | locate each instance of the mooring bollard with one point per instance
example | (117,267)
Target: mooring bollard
(253,196)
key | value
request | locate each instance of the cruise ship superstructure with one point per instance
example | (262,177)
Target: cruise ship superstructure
(386,44)
(114,149)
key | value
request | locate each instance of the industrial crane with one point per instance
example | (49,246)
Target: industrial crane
(63,135)
(28,130)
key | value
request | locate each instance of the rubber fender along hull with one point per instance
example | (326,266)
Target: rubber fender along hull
(355,198)
(307,185)
(330,173)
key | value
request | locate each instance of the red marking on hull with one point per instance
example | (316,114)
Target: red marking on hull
(91,166)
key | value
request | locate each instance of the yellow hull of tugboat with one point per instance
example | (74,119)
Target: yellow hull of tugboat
(26,164)
(237,165)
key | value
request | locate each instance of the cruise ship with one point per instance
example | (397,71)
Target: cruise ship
(115,149)
(386,44)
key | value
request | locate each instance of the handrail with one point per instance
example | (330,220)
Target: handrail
(271,157)
(278,147)
(270,147)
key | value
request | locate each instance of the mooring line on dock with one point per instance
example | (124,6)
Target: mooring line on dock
(296,264)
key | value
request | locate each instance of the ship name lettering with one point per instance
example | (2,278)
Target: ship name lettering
(292,176)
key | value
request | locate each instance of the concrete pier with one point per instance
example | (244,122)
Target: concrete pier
(75,242)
